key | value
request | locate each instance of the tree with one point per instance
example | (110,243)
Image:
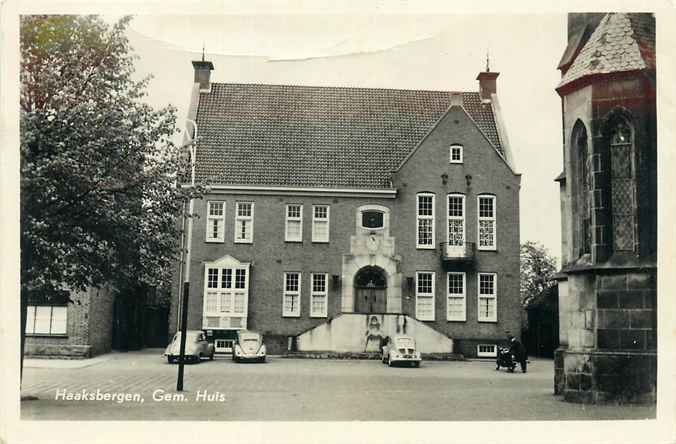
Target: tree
(98,166)
(537,269)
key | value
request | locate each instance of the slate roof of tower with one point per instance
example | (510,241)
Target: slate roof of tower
(621,42)
(306,136)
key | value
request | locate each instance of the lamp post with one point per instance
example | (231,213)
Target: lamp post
(186,271)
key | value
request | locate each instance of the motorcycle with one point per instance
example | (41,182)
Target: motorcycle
(505,359)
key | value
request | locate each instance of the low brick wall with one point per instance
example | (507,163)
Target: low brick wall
(60,351)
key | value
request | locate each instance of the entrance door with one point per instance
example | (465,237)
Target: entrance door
(370,291)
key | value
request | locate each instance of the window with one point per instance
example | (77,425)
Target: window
(456,225)
(455,154)
(215,221)
(225,298)
(488,297)
(372,219)
(455,308)
(623,187)
(294,223)
(291,302)
(425,221)
(486,351)
(581,191)
(46,320)
(244,222)
(487,231)
(424,296)
(320,223)
(318,297)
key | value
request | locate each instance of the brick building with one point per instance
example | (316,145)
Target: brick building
(607,291)
(338,215)
(79,328)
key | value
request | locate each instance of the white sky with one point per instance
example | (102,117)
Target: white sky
(443,52)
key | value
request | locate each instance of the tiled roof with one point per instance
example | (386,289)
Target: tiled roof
(621,42)
(304,136)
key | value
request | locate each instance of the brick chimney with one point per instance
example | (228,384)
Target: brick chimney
(203,74)
(487,84)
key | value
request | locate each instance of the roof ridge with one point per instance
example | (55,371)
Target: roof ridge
(293,85)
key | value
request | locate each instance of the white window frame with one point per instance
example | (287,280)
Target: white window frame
(419,218)
(486,354)
(450,153)
(222,303)
(494,219)
(220,236)
(296,312)
(463,296)
(318,220)
(31,320)
(249,219)
(455,250)
(324,294)
(480,296)
(298,219)
(419,295)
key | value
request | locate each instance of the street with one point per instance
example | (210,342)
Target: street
(141,386)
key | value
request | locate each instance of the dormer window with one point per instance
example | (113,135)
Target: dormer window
(455,154)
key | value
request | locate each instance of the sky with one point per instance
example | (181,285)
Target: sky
(436,52)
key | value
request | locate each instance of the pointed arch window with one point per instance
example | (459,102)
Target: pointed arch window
(583,189)
(623,186)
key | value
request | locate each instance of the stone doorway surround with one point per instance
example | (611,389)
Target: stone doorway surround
(372,247)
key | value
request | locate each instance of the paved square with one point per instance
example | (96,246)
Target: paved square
(301,389)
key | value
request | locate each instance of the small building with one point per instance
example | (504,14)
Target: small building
(607,286)
(69,325)
(337,216)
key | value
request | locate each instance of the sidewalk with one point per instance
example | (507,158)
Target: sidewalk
(67,363)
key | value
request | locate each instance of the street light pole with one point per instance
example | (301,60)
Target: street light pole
(186,272)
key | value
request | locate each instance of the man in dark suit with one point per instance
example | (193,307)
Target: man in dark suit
(517,349)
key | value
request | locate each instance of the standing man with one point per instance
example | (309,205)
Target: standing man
(517,349)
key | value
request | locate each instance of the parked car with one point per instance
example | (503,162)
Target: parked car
(401,349)
(196,347)
(248,347)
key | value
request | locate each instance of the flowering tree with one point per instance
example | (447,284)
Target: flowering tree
(537,269)
(98,165)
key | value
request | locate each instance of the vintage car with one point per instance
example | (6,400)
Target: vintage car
(401,349)
(248,347)
(196,347)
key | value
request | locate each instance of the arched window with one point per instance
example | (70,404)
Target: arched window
(623,186)
(582,189)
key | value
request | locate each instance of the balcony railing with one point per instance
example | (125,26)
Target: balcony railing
(457,254)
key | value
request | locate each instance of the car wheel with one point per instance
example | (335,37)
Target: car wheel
(416,364)
(170,360)
(262,359)
(389,363)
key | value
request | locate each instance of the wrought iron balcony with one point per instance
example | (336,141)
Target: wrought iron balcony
(457,254)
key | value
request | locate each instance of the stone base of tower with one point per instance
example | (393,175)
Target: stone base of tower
(592,377)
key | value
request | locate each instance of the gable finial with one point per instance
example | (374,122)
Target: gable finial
(202,50)
(488,66)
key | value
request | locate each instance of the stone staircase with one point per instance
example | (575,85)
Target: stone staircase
(359,335)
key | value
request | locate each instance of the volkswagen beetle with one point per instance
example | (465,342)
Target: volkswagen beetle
(196,347)
(248,347)
(401,350)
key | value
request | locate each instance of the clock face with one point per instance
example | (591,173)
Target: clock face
(372,219)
